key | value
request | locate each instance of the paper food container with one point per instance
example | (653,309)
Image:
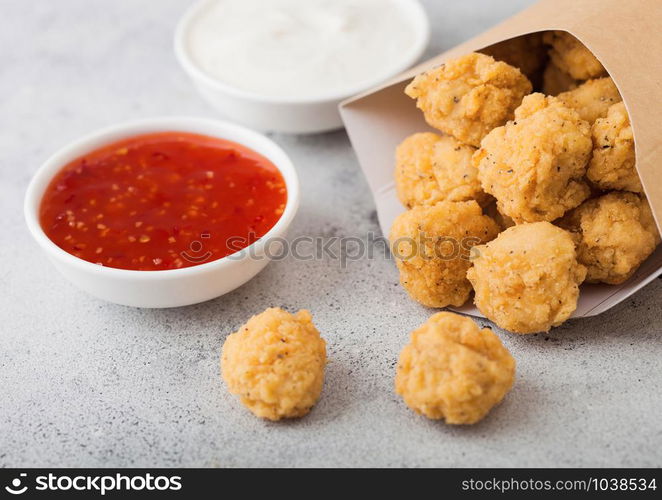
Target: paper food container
(624,36)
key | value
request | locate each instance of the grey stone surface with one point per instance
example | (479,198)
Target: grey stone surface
(86,383)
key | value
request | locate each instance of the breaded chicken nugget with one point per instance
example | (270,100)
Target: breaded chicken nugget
(527,279)
(453,370)
(555,80)
(592,99)
(415,181)
(534,165)
(455,172)
(431,245)
(526,52)
(616,233)
(432,168)
(275,364)
(572,56)
(613,163)
(469,96)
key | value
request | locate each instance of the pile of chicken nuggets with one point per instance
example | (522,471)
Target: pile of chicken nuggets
(520,196)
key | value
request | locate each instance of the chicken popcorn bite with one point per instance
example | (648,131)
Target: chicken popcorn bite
(275,363)
(613,163)
(431,245)
(455,173)
(432,168)
(534,166)
(527,279)
(572,56)
(415,181)
(616,233)
(592,99)
(453,370)
(469,96)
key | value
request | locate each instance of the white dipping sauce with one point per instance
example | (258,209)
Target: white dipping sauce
(301,48)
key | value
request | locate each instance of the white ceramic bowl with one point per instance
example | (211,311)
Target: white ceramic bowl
(288,115)
(177,287)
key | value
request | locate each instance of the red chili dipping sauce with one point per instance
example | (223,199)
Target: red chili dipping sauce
(162,201)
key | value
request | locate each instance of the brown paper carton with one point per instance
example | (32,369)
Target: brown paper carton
(624,35)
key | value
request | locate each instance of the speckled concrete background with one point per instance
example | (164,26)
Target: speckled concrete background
(86,383)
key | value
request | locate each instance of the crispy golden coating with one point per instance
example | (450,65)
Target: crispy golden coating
(527,279)
(275,363)
(431,245)
(592,99)
(616,233)
(526,52)
(455,173)
(415,181)
(469,96)
(572,56)
(555,80)
(534,165)
(432,168)
(453,370)
(613,163)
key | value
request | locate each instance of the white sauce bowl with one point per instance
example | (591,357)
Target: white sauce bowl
(169,288)
(295,115)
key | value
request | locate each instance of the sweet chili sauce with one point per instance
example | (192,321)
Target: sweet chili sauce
(162,201)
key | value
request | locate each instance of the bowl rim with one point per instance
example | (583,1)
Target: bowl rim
(206,126)
(416,14)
